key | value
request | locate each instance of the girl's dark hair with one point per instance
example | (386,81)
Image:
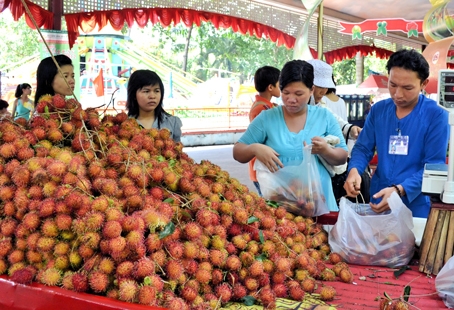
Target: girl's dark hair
(46,73)
(20,89)
(138,80)
(297,71)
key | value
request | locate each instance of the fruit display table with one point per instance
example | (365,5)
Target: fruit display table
(370,284)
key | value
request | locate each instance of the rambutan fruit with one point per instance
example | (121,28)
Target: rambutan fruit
(175,249)
(94,220)
(224,292)
(142,268)
(8,150)
(31,220)
(85,251)
(191,250)
(106,265)
(51,277)
(49,188)
(33,257)
(49,228)
(16,256)
(146,295)
(128,290)
(308,285)
(80,282)
(98,281)
(117,244)
(7,192)
(75,259)
(24,276)
(174,269)
(124,269)
(327,292)
(8,227)
(283,264)
(192,231)
(233,263)
(54,135)
(25,153)
(218,257)
(345,275)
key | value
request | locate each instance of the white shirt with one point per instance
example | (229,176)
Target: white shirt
(337,107)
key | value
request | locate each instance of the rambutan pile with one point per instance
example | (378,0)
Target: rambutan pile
(99,205)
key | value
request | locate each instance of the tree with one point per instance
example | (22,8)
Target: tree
(18,40)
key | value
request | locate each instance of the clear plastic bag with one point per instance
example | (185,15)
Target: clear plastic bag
(444,283)
(364,237)
(295,187)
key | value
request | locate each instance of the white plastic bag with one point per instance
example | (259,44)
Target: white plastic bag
(364,237)
(296,187)
(444,283)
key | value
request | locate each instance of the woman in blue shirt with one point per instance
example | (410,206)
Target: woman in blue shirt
(277,136)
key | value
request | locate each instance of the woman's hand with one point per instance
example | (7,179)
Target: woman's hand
(353,183)
(268,156)
(319,146)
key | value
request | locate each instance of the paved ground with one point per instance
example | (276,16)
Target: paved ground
(221,155)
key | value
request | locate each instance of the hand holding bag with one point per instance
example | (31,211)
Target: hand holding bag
(296,187)
(364,237)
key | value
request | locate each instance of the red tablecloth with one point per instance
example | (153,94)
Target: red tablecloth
(362,294)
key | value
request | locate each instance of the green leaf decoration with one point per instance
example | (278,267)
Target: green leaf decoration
(146,281)
(272,204)
(168,230)
(46,112)
(252,219)
(262,238)
(248,300)
(407,291)
(401,270)
(387,296)
(261,257)
(161,158)
(169,200)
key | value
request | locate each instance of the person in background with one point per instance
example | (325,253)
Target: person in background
(145,103)
(335,103)
(323,79)
(23,105)
(50,82)
(266,82)
(277,136)
(407,131)
(4,109)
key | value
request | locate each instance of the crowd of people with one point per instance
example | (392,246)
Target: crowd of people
(406,131)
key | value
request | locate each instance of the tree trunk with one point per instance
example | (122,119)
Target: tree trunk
(186,49)
(359,68)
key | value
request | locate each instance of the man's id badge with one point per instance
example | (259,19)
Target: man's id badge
(398,145)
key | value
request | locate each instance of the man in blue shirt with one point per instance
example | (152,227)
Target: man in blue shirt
(407,131)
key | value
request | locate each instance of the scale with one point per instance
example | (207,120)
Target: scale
(438,179)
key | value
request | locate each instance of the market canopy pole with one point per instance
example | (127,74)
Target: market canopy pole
(320,32)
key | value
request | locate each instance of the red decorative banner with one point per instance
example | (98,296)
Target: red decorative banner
(382,26)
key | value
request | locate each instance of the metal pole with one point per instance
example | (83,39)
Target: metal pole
(320,32)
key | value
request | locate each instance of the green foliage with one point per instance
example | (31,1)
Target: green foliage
(18,40)
(211,51)
(345,71)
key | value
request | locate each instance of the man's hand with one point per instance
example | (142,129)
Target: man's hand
(353,183)
(383,205)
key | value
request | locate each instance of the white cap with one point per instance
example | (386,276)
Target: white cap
(323,73)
